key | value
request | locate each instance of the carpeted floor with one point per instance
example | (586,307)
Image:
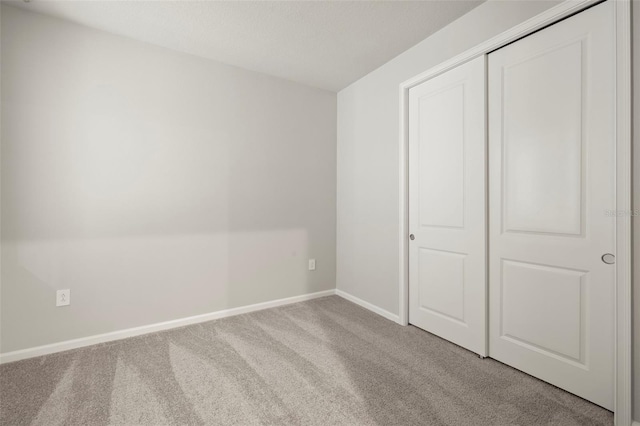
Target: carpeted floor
(322,362)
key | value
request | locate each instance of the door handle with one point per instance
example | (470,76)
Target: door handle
(412,237)
(608,258)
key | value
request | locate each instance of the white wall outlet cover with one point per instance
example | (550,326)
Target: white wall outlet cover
(63,297)
(312,264)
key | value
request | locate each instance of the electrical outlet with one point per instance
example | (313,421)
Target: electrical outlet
(312,264)
(63,297)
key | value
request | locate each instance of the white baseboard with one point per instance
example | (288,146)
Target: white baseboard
(635,423)
(373,308)
(151,328)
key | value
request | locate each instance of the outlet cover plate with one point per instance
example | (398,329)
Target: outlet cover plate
(63,297)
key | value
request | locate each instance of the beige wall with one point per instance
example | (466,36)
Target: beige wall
(155,185)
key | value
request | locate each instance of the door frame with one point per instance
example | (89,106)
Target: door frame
(623,276)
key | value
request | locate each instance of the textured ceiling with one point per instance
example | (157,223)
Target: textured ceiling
(326,44)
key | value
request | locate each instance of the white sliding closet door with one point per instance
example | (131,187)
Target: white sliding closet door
(447,203)
(551,177)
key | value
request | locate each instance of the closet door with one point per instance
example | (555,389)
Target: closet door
(447,203)
(551,174)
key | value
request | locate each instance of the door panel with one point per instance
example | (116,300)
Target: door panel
(443,290)
(542,117)
(441,157)
(525,291)
(551,177)
(447,155)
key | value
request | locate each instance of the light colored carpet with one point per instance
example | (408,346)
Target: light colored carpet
(322,362)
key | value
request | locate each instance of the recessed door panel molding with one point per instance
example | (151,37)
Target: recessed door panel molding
(447,204)
(441,289)
(551,180)
(441,151)
(556,325)
(542,140)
